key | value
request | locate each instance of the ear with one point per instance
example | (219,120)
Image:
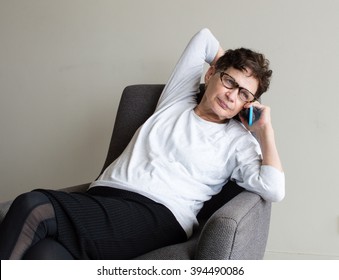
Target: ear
(210,72)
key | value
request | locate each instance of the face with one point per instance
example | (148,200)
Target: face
(220,103)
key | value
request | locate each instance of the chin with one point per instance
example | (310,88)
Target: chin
(224,117)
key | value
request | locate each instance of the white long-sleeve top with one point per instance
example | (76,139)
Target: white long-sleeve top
(180,160)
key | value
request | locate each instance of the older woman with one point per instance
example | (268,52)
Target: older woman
(182,155)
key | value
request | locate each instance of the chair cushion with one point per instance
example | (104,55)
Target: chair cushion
(229,191)
(180,251)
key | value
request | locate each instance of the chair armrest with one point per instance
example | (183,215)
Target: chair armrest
(238,230)
(78,188)
(4,206)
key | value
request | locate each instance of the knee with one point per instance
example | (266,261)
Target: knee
(30,200)
(25,204)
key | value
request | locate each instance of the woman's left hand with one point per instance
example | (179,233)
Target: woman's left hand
(264,120)
(263,130)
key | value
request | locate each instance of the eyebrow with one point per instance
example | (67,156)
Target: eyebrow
(238,83)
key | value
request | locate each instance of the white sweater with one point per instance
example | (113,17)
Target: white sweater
(180,160)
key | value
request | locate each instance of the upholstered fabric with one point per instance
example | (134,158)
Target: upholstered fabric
(238,230)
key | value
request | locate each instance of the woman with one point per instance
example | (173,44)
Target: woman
(184,153)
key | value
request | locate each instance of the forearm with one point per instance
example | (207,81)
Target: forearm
(219,54)
(269,150)
(264,132)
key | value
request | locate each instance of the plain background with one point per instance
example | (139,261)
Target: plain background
(64,64)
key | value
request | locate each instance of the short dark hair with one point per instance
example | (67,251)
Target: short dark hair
(243,59)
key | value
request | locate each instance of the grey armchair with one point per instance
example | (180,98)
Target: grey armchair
(233,225)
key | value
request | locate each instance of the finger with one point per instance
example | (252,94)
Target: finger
(254,104)
(258,105)
(248,105)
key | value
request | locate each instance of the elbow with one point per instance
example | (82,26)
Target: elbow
(274,186)
(276,195)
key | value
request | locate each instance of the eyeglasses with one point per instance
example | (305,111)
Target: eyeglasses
(230,83)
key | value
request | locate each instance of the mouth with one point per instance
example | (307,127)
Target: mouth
(223,105)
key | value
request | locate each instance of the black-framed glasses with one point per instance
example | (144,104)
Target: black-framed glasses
(230,83)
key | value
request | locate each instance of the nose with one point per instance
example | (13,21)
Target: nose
(232,94)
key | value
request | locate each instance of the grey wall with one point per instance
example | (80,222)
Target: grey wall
(63,65)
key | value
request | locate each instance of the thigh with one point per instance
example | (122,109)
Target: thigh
(119,226)
(137,228)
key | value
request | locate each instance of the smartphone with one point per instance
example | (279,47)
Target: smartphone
(251,114)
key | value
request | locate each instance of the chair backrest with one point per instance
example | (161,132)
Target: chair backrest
(137,104)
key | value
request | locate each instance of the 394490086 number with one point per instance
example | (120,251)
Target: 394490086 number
(217,270)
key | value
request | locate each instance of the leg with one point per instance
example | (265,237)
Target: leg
(30,219)
(47,249)
(135,225)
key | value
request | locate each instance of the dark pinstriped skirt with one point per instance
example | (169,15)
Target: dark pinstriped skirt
(108,223)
